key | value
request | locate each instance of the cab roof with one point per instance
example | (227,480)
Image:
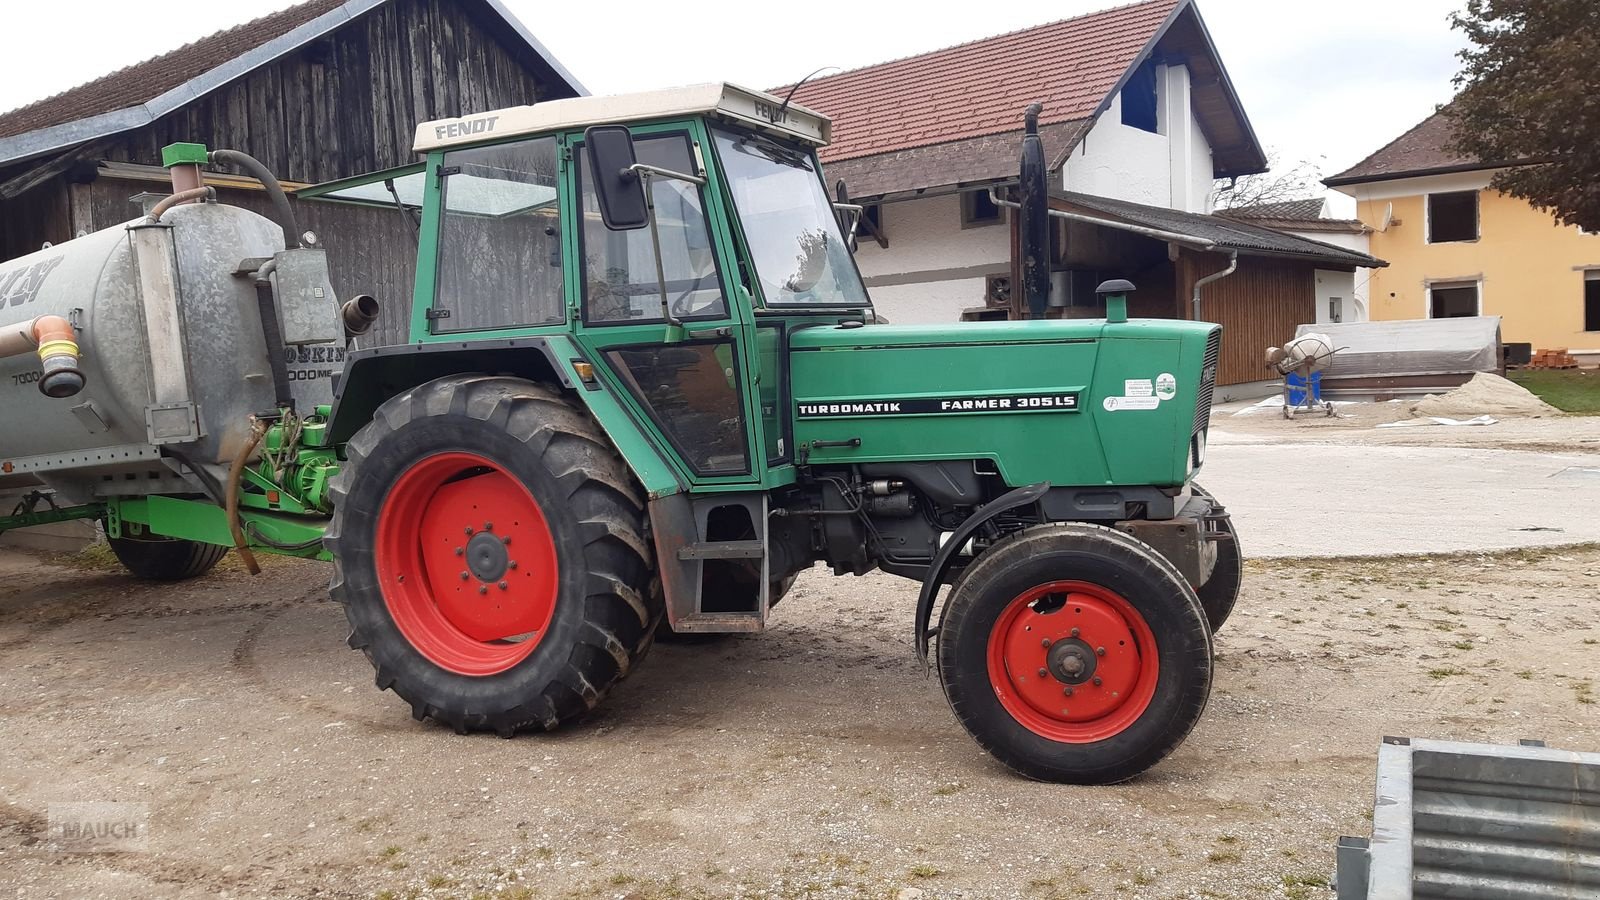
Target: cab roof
(748,107)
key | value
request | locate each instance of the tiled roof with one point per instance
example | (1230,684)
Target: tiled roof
(993,157)
(981,88)
(1424,149)
(1226,234)
(1286,209)
(147,80)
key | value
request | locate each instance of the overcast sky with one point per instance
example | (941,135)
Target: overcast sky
(1327,81)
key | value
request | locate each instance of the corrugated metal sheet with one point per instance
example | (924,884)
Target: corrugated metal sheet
(1478,821)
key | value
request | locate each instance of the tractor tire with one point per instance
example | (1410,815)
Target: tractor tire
(488,550)
(1220,592)
(155,558)
(1074,653)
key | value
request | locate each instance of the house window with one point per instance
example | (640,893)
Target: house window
(1453,299)
(1452,217)
(873,215)
(1139,99)
(978,208)
(1335,309)
(1591,301)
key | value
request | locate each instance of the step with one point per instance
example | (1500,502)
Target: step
(719,623)
(724,550)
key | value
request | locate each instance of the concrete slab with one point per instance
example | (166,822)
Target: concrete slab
(1301,499)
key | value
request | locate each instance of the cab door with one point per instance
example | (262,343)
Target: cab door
(686,373)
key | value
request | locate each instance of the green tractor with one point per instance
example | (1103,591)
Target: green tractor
(644,391)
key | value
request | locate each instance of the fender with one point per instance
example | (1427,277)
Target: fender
(372,376)
(1006,502)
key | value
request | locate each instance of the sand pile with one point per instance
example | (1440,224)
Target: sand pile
(1485,394)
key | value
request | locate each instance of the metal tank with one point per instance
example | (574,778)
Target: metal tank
(173,355)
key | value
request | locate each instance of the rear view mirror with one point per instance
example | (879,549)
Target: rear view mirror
(616,184)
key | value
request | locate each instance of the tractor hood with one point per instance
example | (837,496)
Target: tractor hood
(1027,395)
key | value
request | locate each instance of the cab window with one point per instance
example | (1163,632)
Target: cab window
(620,284)
(499,259)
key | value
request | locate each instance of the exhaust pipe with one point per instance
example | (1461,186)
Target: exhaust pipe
(53,338)
(358,313)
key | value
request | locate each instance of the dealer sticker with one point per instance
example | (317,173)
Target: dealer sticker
(1166,386)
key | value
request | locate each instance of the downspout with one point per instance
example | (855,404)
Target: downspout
(1233,266)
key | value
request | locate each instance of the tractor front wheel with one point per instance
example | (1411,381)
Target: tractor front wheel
(489,552)
(1074,653)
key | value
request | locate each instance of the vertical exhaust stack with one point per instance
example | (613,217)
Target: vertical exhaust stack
(1034,217)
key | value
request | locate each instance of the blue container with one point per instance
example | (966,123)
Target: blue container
(1297,388)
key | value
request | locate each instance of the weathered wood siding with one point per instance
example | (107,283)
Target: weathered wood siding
(1258,306)
(344,105)
(349,104)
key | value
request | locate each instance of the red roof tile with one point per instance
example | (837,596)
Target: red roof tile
(141,82)
(1425,148)
(981,88)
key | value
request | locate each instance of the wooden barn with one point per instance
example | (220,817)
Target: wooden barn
(321,91)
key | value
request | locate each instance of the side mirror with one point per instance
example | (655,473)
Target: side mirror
(616,183)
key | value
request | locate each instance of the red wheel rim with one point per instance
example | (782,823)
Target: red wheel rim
(1073,662)
(466,563)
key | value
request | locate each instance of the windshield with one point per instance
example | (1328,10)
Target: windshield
(799,253)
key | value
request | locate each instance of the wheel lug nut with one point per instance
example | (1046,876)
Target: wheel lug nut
(460,551)
(488,526)
(1067,690)
(1045,642)
(502,585)
(1044,673)
(506,540)
(483,589)
(465,575)
(512,564)
(469,530)
(1099,651)
(1074,632)
(1097,681)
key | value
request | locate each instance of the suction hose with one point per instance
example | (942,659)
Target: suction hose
(280,200)
(258,430)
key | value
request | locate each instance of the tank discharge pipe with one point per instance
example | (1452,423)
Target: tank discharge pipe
(53,338)
(181,197)
(358,314)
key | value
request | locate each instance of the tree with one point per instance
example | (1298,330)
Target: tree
(1303,182)
(1529,92)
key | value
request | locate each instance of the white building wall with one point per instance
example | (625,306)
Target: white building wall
(1336,290)
(1353,287)
(1171,168)
(933,268)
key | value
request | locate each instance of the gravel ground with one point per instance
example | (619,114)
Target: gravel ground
(816,760)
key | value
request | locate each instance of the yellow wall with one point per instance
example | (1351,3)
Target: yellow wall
(1531,267)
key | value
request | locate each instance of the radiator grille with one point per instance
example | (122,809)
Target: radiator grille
(1208,381)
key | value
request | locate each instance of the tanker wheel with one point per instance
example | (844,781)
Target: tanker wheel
(156,558)
(1220,592)
(488,550)
(1074,653)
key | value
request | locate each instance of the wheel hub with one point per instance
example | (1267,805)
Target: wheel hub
(487,557)
(467,563)
(1071,661)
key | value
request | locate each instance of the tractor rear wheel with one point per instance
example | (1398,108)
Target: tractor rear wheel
(489,552)
(1220,592)
(1074,653)
(156,558)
